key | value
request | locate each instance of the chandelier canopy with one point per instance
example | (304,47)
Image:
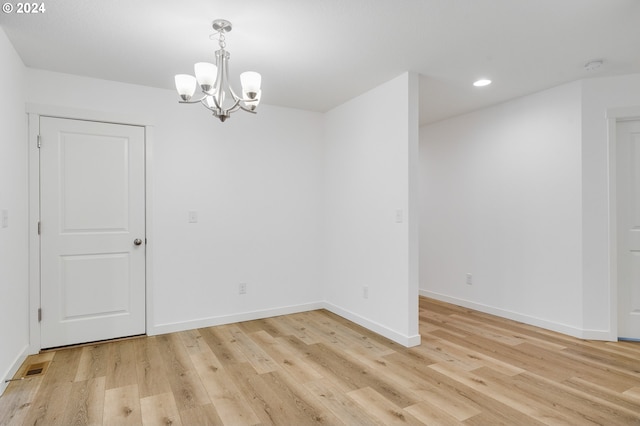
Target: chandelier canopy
(217,94)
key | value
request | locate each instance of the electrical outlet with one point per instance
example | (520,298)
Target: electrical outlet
(469,279)
(242,288)
(365,292)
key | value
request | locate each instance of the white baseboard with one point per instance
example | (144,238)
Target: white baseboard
(538,322)
(17,362)
(230,319)
(599,335)
(407,341)
(404,340)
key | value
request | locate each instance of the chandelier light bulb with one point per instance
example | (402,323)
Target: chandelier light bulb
(250,81)
(206,75)
(185,85)
(253,103)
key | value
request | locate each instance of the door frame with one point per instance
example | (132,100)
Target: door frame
(34,112)
(615,116)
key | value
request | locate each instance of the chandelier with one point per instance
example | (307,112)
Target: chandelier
(217,94)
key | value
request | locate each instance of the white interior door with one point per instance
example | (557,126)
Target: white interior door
(628,224)
(92,202)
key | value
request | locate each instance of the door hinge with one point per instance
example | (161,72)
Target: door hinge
(39,314)
(39,141)
(39,228)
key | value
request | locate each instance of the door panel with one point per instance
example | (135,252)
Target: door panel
(628,221)
(92,209)
(89,203)
(107,294)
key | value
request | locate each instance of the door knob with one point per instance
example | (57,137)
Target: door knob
(137,241)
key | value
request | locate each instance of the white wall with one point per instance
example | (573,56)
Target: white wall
(254,181)
(368,177)
(14,309)
(582,303)
(598,96)
(501,199)
(260,185)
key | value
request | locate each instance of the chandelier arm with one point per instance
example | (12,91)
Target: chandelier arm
(215,101)
(222,83)
(226,71)
(192,101)
(204,103)
(218,89)
(247,109)
(236,106)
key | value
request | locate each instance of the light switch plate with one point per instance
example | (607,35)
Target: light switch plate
(193,216)
(5,218)
(399,216)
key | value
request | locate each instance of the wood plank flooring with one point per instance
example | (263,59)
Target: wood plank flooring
(317,368)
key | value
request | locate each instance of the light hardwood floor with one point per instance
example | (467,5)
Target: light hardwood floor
(317,368)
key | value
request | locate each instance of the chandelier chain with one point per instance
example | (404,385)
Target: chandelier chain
(219,36)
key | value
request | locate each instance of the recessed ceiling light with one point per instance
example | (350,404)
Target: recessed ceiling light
(482,82)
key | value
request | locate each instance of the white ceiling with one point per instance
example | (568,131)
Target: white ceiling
(316,54)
